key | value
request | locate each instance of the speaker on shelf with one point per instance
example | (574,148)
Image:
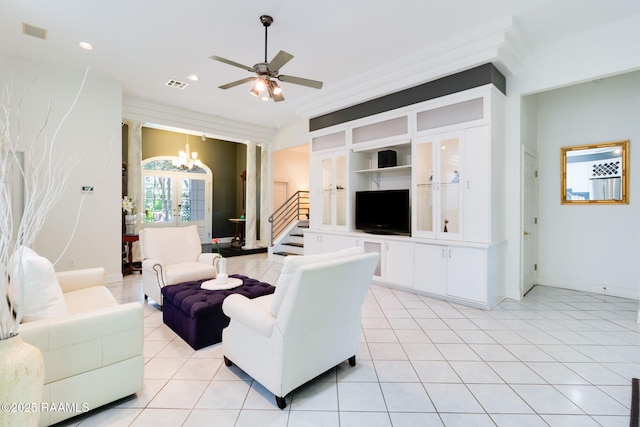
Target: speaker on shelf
(387,158)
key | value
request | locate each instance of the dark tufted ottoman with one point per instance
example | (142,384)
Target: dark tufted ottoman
(195,314)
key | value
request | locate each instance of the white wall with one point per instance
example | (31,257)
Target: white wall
(605,51)
(91,132)
(292,166)
(589,247)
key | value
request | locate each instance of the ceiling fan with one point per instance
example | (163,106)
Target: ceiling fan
(267,72)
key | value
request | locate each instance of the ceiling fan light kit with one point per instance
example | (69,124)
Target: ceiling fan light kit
(267,72)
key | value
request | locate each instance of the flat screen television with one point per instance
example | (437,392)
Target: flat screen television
(383,212)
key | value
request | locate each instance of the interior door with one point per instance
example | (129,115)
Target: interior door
(529,221)
(280,193)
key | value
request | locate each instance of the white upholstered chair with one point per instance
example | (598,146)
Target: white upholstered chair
(172,255)
(92,346)
(310,324)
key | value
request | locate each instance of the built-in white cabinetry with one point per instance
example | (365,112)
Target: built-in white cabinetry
(317,243)
(450,156)
(330,192)
(453,271)
(396,260)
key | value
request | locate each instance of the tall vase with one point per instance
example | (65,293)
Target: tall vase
(21,382)
(130,224)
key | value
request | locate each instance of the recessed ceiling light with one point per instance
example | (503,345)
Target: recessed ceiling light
(193,77)
(85,45)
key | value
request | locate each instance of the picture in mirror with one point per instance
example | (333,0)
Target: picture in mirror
(596,173)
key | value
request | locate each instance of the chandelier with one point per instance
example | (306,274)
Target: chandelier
(187,160)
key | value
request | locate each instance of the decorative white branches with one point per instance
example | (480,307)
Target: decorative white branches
(45,173)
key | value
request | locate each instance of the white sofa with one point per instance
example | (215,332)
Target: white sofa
(310,324)
(93,355)
(172,255)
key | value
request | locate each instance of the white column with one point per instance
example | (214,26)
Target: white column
(134,176)
(250,214)
(265,196)
(134,165)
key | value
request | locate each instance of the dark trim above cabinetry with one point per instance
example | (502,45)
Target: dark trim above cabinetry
(478,76)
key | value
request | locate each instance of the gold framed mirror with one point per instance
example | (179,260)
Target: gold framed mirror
(596,173)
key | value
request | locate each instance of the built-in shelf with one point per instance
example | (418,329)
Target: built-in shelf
(387,169)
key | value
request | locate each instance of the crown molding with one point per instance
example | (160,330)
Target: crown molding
(172,118)
(501,43)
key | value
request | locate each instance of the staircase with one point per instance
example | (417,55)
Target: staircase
(291,243)
(287,227)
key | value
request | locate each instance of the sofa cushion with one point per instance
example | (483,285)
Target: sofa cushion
(291,265)
(188,272)
(43,297)
(88,299)
(171,244)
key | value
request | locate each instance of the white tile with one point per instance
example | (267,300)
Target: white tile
(198,369)
(453,398)
(112,417)
(316,396)
(360,397)
(422,351)
(161,418)
(224,395)
(545,399)
(406,397)
(395,371)
(435,372)
(475,373)
(364,419)
(274,418)
(466,420)
(179,394)
(592,400)
(212,417)
(313,418)
(510,420)
(499,398)
(406,419)
(417,354)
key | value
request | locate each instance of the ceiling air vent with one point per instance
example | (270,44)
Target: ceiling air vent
(32,30)
(177,84)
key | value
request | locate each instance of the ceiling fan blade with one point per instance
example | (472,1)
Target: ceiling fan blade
(278,61)
(237,82)
(300,81)
(230,62)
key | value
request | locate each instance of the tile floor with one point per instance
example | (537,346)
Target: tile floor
(557,358)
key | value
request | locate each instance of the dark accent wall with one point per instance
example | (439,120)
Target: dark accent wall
(224,158)
(478,76)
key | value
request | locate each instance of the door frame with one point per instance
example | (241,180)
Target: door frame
(205,227)
(529,209)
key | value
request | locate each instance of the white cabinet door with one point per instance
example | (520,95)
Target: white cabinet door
(329,191)
(430,269)
(477,195)
(467,273)
(371,246)
(399,263)
(437,189)
(318,243)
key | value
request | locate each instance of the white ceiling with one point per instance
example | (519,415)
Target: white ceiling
(344,43)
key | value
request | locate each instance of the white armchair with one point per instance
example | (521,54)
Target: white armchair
(172,255)
(93,354)
(309,325)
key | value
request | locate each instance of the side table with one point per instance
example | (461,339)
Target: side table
(128,239)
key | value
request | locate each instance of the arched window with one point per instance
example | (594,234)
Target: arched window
(176,197)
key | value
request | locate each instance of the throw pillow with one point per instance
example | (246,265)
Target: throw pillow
(291,265)
(42,297)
